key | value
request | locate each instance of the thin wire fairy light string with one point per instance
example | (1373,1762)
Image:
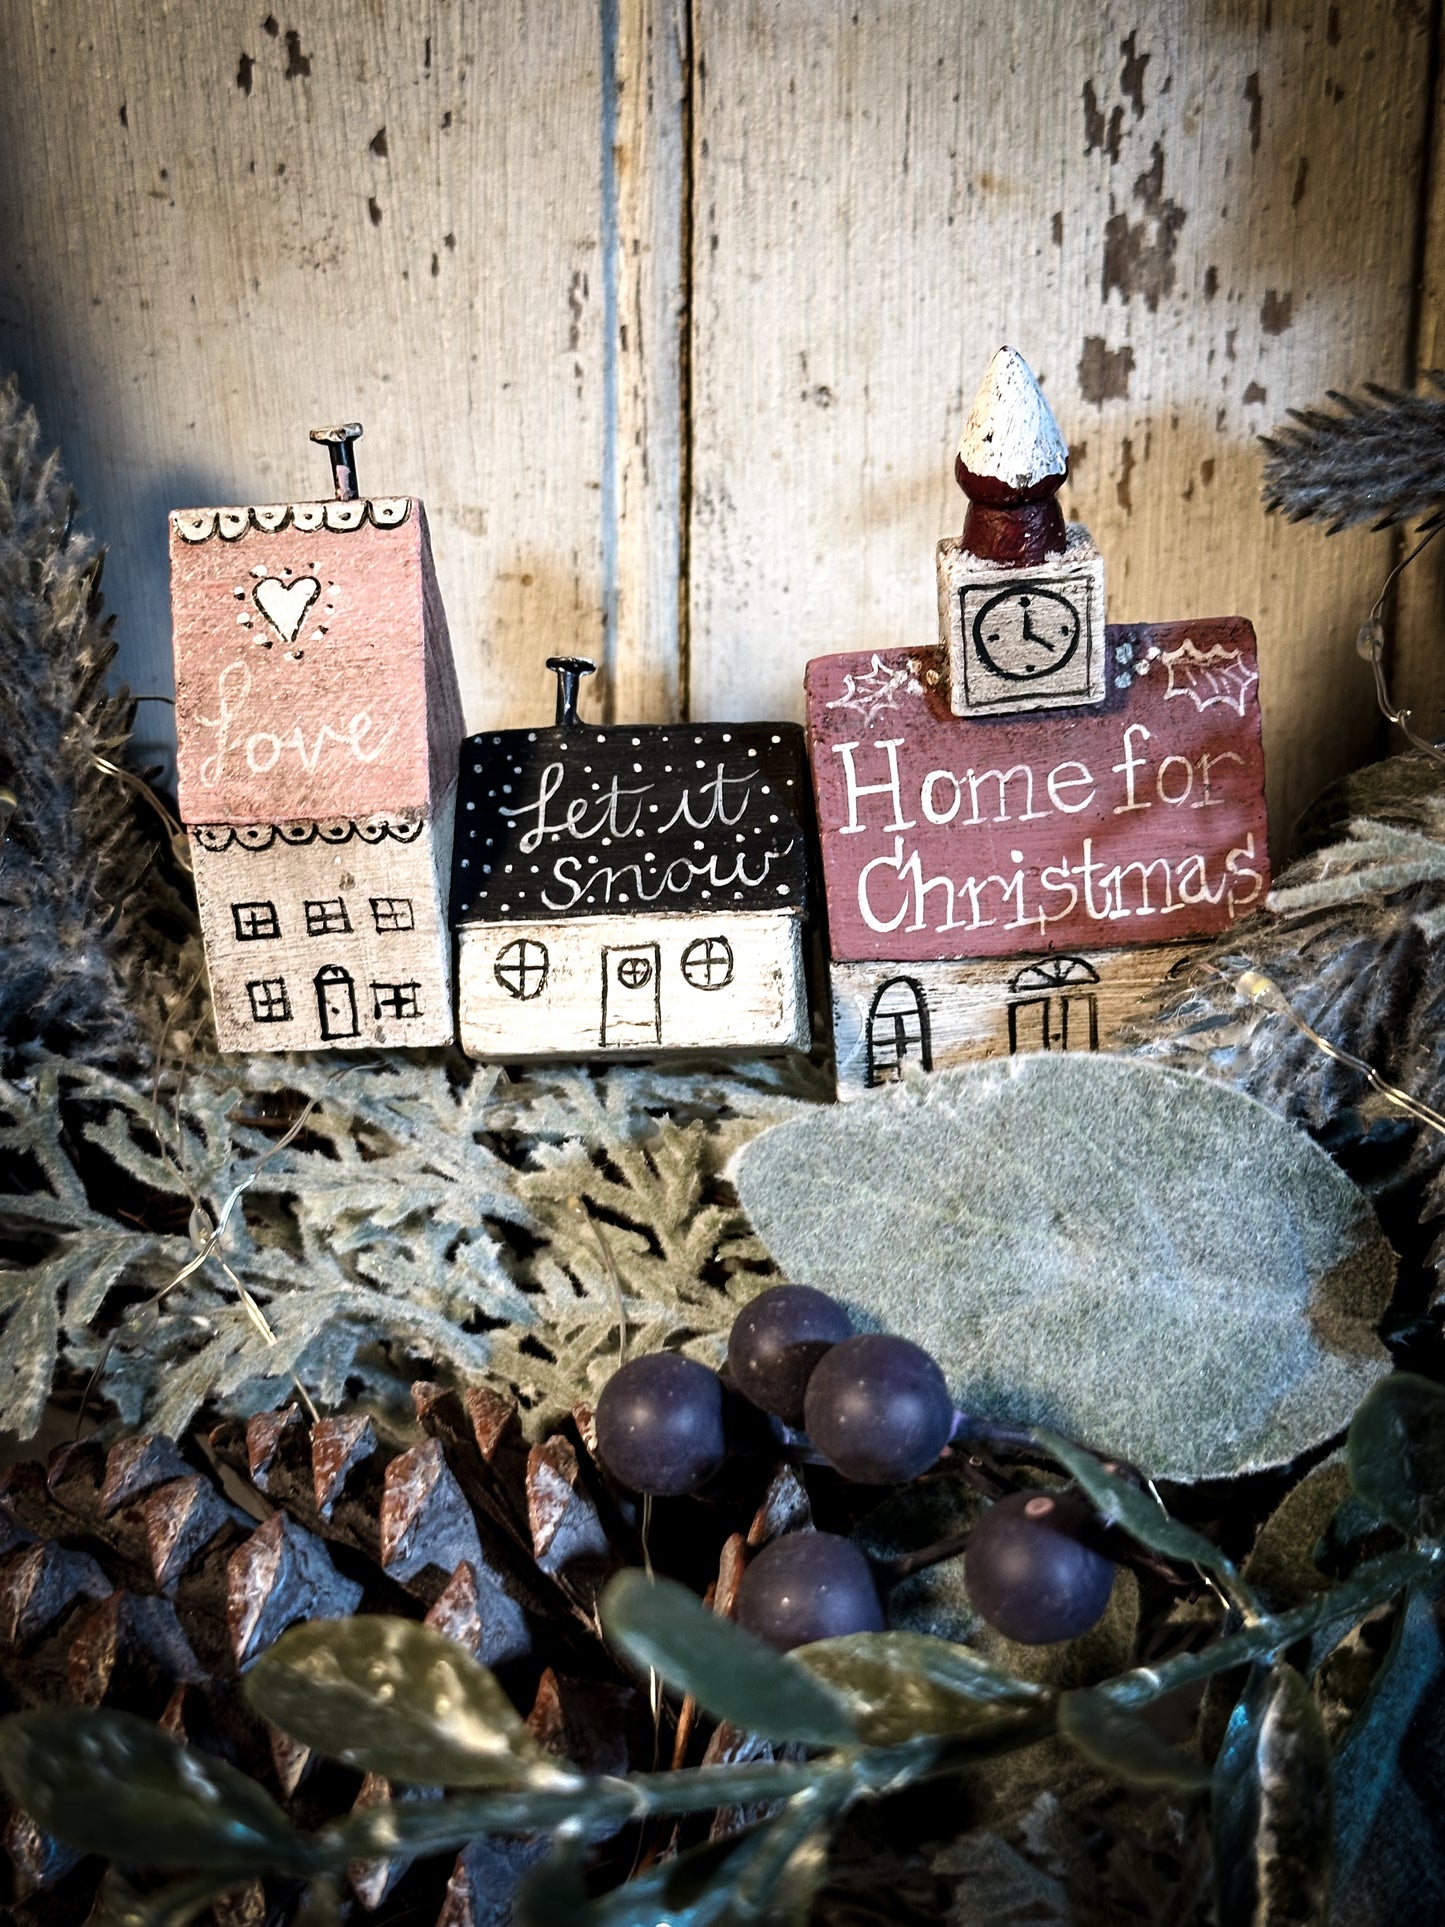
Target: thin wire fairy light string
(1265,992)
(1371,645)
(208,1244)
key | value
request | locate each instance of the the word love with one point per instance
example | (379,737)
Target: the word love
(361,739)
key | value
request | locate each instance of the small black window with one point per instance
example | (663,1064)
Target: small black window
(254,921)
(269,1002)
(396,1000)
(521,968)
(392,913)
(707,963)
(327,918)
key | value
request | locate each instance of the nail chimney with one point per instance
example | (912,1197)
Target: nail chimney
(569,671)
(339,443)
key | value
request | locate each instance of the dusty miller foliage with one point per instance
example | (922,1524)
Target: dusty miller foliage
(1377,457)
(432,1214)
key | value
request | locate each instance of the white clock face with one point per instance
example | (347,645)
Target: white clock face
(1025,633)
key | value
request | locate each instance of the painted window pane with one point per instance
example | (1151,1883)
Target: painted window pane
(326,917)
(392,913)
(396,1000)
(707,963)
(269,1002)
(521,968)
(255,921)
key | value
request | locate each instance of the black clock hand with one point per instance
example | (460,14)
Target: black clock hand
(1030,634)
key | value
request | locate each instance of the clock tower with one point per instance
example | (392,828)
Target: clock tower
(1020,592)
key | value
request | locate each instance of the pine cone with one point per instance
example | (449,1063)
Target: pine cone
(149,1576)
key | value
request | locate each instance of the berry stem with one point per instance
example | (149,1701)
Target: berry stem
(1373,1585)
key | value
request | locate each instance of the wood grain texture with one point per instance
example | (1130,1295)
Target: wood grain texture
(1185,216)
(931,1015)
(462,225)
(216,235)
(645,453)
(1417,676)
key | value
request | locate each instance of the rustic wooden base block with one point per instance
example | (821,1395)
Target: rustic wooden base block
(630,984)
(328,936)
(932,1015)
(1022,638)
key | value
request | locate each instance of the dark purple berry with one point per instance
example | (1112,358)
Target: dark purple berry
(807,1586)
(1030,1570)
(660,1424)
(776,1341)
(878,1409)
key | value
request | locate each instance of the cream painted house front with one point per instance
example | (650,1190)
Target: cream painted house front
(633,984)
(887,1017)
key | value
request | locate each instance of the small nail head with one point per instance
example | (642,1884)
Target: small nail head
(338,443)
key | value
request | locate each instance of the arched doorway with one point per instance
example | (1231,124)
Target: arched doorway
(336,1001)
(897,1028)
(1051,1006)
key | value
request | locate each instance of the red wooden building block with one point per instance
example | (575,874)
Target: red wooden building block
(1023,825)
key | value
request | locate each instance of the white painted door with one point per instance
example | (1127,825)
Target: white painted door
(631,996)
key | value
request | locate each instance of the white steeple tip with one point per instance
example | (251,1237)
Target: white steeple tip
(1011,435)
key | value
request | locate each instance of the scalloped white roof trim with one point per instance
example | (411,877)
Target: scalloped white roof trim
(382,511)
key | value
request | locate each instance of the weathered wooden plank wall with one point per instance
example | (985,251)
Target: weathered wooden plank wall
(672,312)
(219,226)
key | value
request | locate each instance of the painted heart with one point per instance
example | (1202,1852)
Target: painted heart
(284,604)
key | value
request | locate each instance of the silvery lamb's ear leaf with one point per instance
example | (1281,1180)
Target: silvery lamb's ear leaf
(1148,1261)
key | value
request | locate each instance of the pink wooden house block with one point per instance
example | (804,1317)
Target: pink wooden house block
(318,724)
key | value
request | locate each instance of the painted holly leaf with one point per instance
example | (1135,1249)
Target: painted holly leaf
(876,691)
(1209,676)
(1149,1262)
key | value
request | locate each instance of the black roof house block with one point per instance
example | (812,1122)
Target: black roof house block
(580,820)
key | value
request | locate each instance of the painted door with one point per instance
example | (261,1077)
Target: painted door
(1058,1012)
(336,1001)
(631,996)
(897,1028)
